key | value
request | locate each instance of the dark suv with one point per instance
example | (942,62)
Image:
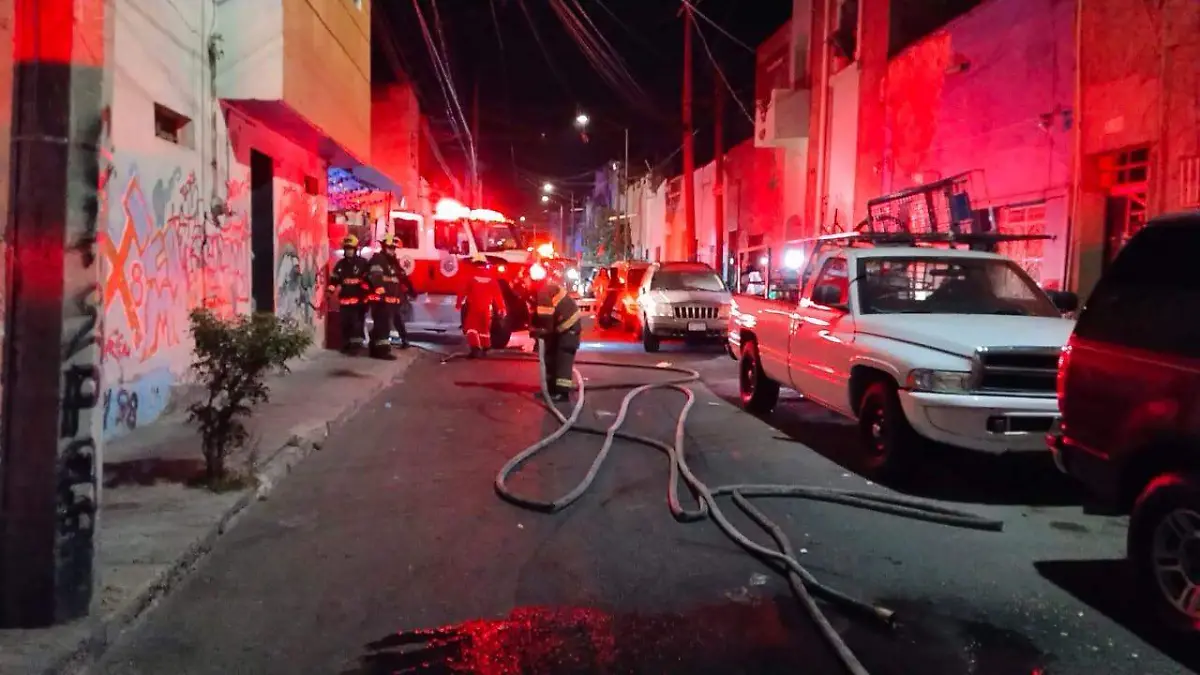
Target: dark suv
(1129,392)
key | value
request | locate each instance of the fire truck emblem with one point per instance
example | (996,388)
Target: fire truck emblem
(449,265)
(407,264)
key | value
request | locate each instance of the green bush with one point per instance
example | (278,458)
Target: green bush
(232,359)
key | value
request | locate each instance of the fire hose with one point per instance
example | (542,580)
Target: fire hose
(782,558)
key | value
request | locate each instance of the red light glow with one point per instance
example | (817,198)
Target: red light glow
(537,272)
(450,209)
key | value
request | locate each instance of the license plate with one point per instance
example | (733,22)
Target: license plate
(697,326)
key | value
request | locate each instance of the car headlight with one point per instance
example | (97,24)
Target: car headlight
(573,274)
(941,381)
(724,311)
(658,309)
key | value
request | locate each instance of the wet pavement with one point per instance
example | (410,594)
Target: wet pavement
(388,552)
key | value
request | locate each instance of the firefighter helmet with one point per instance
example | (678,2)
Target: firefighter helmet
(350,241)
(389,241)
(479,258)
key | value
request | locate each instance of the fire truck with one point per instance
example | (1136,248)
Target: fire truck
(436,253)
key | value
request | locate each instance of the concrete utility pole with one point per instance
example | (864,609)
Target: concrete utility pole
(51,462)
(689,149)
(719,168)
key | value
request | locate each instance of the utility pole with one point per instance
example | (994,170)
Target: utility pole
(50,460)
(476,184)
(625,194)
(689,150)
(719,167)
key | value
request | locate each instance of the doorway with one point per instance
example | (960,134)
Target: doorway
(262,231)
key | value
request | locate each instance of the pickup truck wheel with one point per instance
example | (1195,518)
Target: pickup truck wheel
(650,342)
(1164,549)
(888,439)
(759,393)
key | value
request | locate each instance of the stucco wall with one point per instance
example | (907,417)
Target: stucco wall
(991,91)
(162,249)
(327,68)
(252,38)
(1139,82)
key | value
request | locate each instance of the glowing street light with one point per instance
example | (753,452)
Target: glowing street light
(545,198)
(522,219)
(581,120)
(547,187)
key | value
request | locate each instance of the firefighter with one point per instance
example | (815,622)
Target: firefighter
(408,293)
(557,322)
(349,280)
(384,274)
(481,300)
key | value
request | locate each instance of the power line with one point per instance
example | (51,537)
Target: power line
(721,74)
(716,25)
(562,82)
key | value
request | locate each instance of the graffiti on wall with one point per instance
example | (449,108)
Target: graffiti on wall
(301,254)
(163,252)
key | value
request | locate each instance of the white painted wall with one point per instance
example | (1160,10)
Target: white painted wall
(843,147)
(162,251)
(252,38)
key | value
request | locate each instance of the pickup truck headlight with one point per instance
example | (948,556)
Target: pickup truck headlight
(940,381)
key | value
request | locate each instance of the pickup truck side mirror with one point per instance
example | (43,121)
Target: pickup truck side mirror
(1065,301)
(828,294)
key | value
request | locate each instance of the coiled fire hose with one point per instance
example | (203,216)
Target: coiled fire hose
(783,558)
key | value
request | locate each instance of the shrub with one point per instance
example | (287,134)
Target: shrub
(233,356)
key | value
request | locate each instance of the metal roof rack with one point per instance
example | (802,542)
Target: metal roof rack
(971,239)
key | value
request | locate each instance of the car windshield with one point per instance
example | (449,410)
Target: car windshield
(493,237)
(686,280)
(949,286)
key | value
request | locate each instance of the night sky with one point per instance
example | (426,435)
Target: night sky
(529,93)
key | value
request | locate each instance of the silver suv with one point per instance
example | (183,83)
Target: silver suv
(682,300)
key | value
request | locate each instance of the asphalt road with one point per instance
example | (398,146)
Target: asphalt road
(388,552)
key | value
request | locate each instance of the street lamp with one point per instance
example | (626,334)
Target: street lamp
(547,187)
(522,219)
(581,120)
(545,199)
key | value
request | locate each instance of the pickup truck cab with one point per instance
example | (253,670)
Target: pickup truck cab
(955,346)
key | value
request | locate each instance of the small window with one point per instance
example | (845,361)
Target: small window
(451,236)
(834,274)
(311,187)
(172,126)
(406,232)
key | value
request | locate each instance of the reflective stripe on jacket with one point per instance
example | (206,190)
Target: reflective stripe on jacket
(557,312)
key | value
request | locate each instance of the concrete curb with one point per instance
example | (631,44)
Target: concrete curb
(107,628)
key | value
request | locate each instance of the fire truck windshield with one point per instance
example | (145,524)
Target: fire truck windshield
(494,237)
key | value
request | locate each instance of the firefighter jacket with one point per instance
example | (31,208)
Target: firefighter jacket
(388,283)
(482,293)
(557,312)
(349,279)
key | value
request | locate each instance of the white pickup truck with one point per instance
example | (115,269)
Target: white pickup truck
(959,347)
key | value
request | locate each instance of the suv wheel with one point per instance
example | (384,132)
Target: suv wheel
(650,341)
(1164,549)
(887,437)
(759,393)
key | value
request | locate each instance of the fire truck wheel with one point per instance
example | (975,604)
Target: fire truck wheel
(501,333)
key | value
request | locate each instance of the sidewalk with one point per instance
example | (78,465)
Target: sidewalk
(154,528)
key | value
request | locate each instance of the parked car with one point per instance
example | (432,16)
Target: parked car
(916,343)
(625,279)
(682,300)
(1129,390)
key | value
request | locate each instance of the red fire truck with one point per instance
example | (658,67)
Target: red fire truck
(435,254)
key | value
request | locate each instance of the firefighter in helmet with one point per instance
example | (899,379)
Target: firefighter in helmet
(557,322)
(481,301)
(387,293)
(348,279)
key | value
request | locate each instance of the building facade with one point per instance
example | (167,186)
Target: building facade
(224,120)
